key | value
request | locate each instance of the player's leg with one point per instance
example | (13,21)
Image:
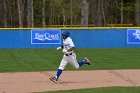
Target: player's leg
(84,61)
(73,61)
(60,69)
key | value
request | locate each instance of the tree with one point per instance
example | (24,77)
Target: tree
(43,13)
(5,14)
(84,13)
(98,13)
(71,12)
(20,12)
(30,13)
(121,9)
(63,12)
(68,12)
(137,12)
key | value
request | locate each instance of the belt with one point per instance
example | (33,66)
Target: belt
(68,54)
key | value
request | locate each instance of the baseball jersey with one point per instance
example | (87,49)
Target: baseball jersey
(67,44)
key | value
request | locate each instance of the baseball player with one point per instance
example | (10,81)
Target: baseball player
(68,57)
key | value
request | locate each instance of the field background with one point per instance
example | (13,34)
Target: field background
(102,90)
(28,60)
(24,60)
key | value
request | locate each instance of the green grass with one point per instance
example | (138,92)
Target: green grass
(16,60)
(101,90)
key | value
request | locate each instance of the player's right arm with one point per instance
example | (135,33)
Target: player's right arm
(62,47)
(71,45)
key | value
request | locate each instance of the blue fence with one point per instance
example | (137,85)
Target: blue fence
(88,38)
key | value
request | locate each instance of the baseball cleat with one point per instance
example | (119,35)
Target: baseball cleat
(87,61)
(54,79)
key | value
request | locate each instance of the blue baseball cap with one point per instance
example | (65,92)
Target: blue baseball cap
(66,33)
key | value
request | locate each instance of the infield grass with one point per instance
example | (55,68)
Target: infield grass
(17,60)
(101,90)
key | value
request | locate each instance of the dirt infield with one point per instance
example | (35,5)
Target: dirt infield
(25,82)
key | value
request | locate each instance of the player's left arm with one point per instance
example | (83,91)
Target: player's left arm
(70,49)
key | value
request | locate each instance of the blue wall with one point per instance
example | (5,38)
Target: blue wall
(92,38)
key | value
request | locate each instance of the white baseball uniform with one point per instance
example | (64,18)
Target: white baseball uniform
(68,56)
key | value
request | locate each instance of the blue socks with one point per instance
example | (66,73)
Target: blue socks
(59,71)
(81,63)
